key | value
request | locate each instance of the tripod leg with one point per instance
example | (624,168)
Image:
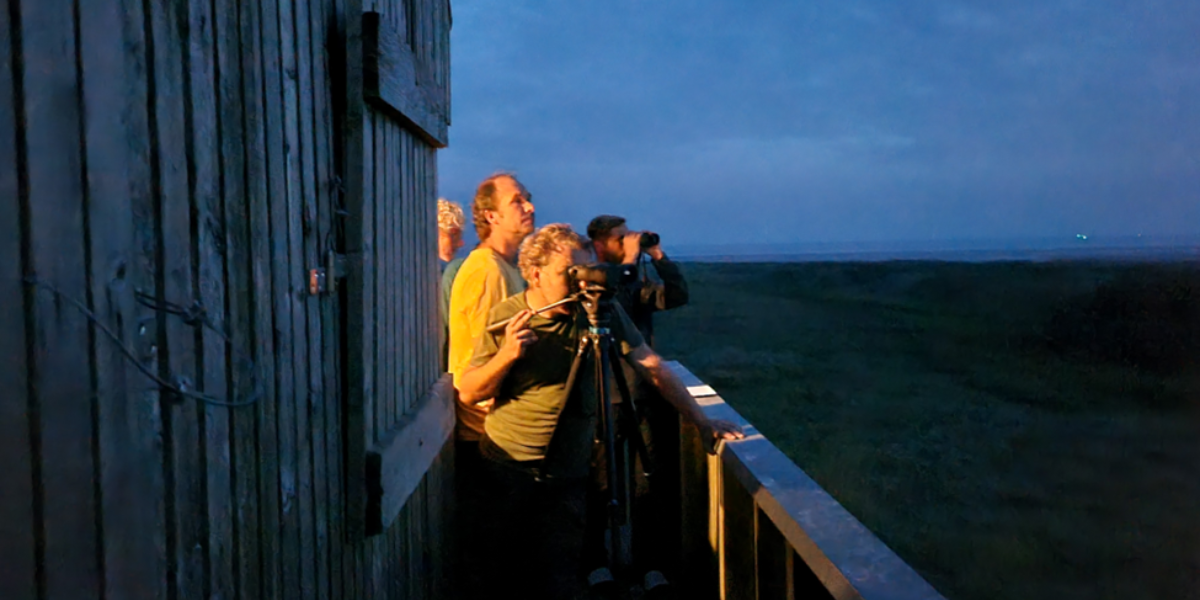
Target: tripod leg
(572,375)
(618,513)
(629,417)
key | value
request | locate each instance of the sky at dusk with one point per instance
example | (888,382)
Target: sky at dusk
(762,121)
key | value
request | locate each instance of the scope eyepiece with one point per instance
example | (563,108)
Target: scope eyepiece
(602,275)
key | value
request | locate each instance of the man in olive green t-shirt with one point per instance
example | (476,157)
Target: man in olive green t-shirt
(538,436)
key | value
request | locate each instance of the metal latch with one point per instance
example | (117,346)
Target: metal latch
(323,280)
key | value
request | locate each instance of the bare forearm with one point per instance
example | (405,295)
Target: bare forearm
(675,393)
(481,383)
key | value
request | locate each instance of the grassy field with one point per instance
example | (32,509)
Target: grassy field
(928,399)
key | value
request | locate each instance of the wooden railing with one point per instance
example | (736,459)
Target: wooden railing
(755,526)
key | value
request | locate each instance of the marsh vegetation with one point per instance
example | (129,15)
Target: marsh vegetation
(1012,430)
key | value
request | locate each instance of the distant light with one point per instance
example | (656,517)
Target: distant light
(1080,236)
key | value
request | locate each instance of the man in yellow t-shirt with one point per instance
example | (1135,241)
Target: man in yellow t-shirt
(503,217)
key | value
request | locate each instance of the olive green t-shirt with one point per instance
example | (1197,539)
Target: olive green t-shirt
(533,418)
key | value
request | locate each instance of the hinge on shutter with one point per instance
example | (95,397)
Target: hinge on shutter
(323,280)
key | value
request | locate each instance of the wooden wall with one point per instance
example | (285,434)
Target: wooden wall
(170,165)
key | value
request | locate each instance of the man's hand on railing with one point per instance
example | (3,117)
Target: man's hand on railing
(716,430)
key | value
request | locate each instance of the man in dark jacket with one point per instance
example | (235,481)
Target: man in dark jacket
(659,286)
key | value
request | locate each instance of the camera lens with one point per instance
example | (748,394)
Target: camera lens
(649,239)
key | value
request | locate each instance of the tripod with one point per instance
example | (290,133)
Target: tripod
(618,429)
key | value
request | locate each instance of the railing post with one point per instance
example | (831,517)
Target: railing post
(738,560)
(775,581)
(698,546)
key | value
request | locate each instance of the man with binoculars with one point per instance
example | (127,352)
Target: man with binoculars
(659,286)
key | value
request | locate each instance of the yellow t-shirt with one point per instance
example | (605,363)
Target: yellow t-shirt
(484,280)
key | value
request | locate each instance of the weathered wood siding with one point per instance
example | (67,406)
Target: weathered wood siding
(392,225)
(170,172)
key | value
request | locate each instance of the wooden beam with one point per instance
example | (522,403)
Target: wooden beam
(396,465)
(395,82)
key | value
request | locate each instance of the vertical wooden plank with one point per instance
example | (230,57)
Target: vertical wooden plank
(405,280)
(429,277)
(377,555)
(415,550)
(368,338)
(186,470)
(242,192)
(17,500)
(444,14)
(435,543)
(396,255)
(774,560)
(738,542)
(307,381)
(204,184)
(400,560)
(418,318)
(350,300)
(383,276)
(409,281)
(392,560)
(434,343)
(416,280)
(421,277)
(272,268)
(326,423)
(433,291)
(124,497)
(292,325)
(698,554)
(403,167)
(60,365)
(317,186)
(396,307)
(424,22)
(402,556)
(141,485)
(359,312)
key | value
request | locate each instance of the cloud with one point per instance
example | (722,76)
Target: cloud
(834,120)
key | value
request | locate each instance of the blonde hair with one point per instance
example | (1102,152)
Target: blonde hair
(537,249)
(450,215)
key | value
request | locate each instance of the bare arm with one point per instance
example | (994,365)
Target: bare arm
(481,383)
(650,366)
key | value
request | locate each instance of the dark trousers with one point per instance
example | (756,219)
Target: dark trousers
(655,499)
(470,504)
(534,534)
